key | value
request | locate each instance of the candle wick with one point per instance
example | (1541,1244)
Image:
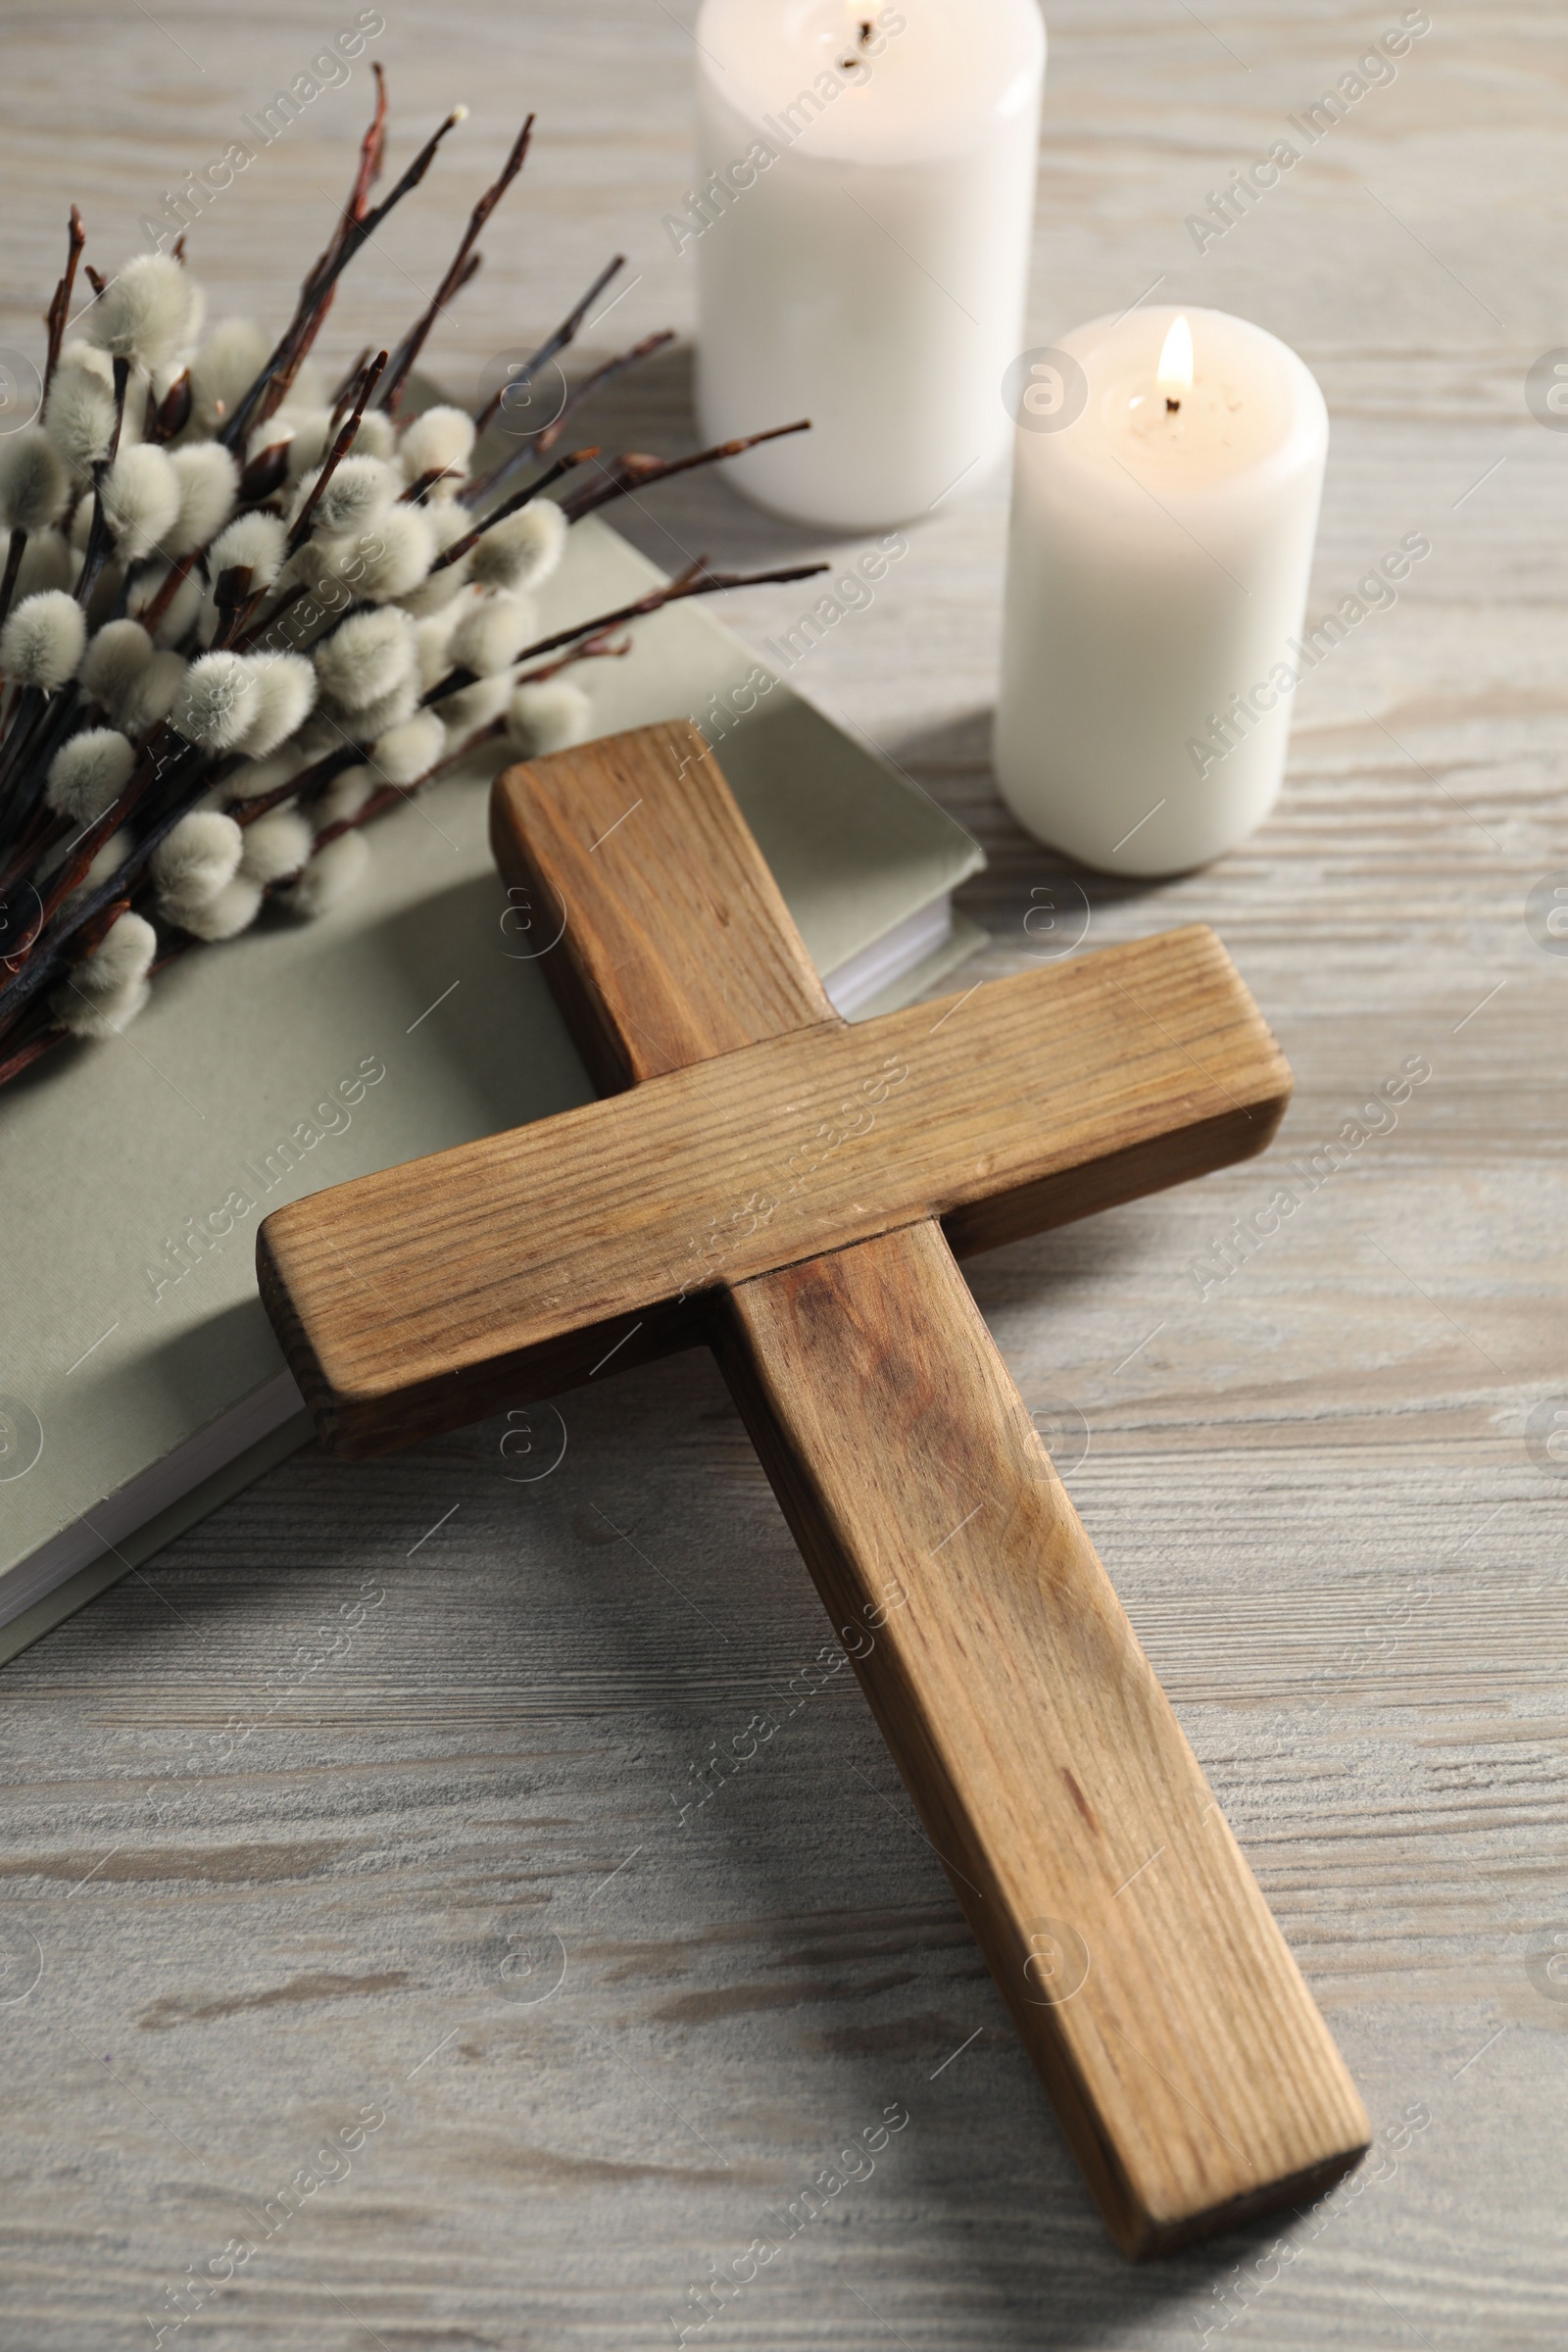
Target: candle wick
(1172,406)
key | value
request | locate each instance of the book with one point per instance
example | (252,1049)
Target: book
(140,1383)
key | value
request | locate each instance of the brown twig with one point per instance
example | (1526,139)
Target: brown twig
(695,581)
(169,588)
(459,271)
(548,350)
(595,382)
(597,648)
(301,331)
(292,596)
(553,473)
(355,226)
(26,706)
(44,957)
(96,553)
(339,450)
(42,832)
(23,1057)
(532,446)
(307,786)
(13,555)
(376,806)
(343,391)
(420,490)
(309,783)
(373,151)
(56,315)
(90,938)
(636,472)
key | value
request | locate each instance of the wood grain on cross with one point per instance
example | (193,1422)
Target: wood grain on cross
(792,1189)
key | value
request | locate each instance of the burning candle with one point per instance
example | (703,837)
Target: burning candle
(862,235)
(1167,473)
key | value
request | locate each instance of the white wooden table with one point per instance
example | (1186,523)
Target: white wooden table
(1315,1487)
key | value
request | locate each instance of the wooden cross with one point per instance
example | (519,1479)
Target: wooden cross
(792,1190)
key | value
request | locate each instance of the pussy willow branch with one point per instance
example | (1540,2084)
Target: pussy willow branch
(172,581)
(258,629)
(43,832)
(171,775)
(531,447)
(337,399)
(601,646)
(26,713)
(629,473)
(459,271)
(695,581)
(357,233)
(551,348)
(312,782)
(35,1047)
(13,555)
(373,151)
(45,961)
(287,356)
(57,714)
(59,311)
(193,773)
(54,319)
(594,648)
(164,753)
(301,590)
(355,229)
(420,488)
(545,441)
(99,540)
(562,465)
(301,529)
(112,897)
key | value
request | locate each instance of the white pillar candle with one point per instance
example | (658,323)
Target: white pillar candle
(861,233)
(1167,473)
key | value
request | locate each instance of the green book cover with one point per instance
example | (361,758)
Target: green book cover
(139,1379)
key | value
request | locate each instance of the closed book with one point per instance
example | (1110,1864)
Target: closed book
(140,1383)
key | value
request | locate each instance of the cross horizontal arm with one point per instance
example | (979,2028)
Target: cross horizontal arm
(413,1300)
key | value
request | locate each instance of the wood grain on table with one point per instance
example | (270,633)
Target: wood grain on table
(494,1869)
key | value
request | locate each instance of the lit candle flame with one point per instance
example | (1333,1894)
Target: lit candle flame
(1175,372)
